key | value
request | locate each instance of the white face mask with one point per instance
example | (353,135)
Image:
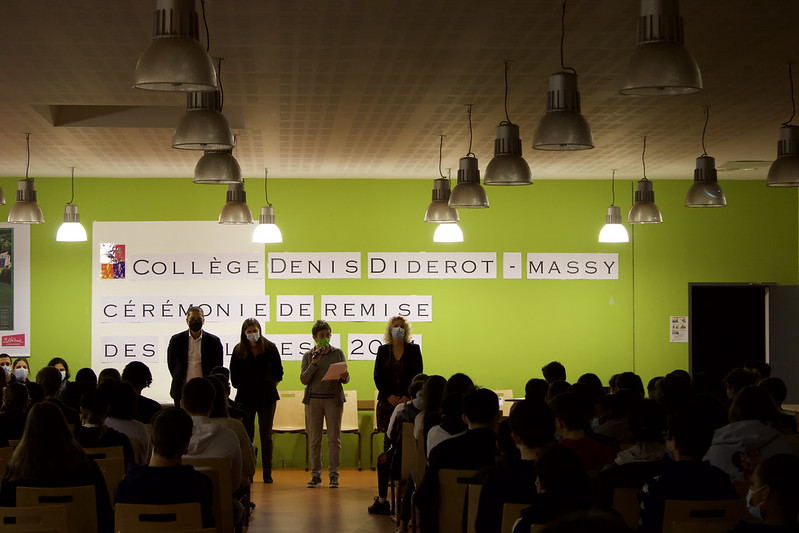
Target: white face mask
(21,374)
(398,332)
(253,337)
(63,375)
(754,510)
(7,368)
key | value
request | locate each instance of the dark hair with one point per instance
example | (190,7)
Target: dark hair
(762,368)
(594,383)
(754,403)
(776,388)
(674,393)
(55,360)
(481,406)
(35,392)
(433,393)
(533,423)
(691,433)
(171,432)
(243,350)
(23,359)
(417,384)
(320,325)
(49,378)
(224,377)
(137,374)
(536,389)
(95,402)
(738,378)
(506,446)
(780,473)
(108,374)
(4,355)
(458,383)
(198,396)
(121,399)
(572,409)
(554,371)
(646,421)
(219,409)
(15,397)
(194,309)
(651,387)
(631,381)
(556,388)
(560,472)
(221,370)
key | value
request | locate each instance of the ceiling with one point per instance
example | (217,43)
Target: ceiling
(364,88)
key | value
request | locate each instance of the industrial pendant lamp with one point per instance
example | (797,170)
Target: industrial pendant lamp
(71,230)
(784,172)
(267,231)
(217,167)
(468,193)
(175,60)
(705,192)
(563,127)
(439,211)
(644,210)
(613,230)
(236,210)
(26,210)
(508,167)
(203,126)
(661,64)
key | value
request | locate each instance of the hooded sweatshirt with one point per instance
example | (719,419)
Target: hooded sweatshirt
(209,439)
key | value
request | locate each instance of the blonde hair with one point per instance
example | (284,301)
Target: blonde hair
(405,325)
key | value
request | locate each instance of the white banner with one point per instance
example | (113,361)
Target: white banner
(171,309)
(572,266)
(376,308)
(314,265)
(512,265)
(294,308)
(15,290)
(424,265)
(363,346)
(118,349)
(196,266)
(292,346)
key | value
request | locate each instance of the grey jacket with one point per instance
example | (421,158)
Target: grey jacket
(311,375)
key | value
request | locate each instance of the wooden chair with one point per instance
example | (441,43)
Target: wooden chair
(79,502)
(504,404)
(452,498)
(113,469)
(417,474)
(143,518)
(372,436)
(510,513)
(52,518)
(407,465)
(703,526)
(290,417)
(349,419)
(14,442)
(625,502)
(472,503)
(105,452)
(705,511)
(5,457)
(218,471)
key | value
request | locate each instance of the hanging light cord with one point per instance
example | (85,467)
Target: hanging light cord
(470,153)
(613,188)
(793,100)
(441,156)
(28,144)
(266,195)
(643,159)
(704,130)
(507,68)
(205,23)
(72,199)
(563,37)
(219,81)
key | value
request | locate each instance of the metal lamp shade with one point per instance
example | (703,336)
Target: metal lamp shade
(267,231)
(705,192)
(236,210)
(202,126)
(613,230)
(468,193)
(644,210)
(563,127)
(26,210)
(217,167)
(661,65)
(784,172)
(448,233)
(439,209)
(175,60)
(71,230)
(2,197)
(508,167)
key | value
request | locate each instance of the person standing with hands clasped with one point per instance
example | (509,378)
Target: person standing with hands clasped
(255,371)
(324,400)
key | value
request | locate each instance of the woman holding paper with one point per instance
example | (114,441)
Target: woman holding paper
(324,369)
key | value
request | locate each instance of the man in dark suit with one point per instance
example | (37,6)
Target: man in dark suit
(192,353)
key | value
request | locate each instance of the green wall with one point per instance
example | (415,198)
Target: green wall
(499,331)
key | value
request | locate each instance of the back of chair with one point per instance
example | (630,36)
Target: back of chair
(703,526)
(5,457)
(38,518)
(472,503)
(113,469)
(79,503)
(105,452)
(703,510)
(625,502)
(452,498)
(510,513)
(349,419)
(289,413)
(218,471)
(144,518)
(408,459)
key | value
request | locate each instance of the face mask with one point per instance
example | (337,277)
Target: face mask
(21,374)
(7,368)
(753,510)
(398,333)
(63,375)
(253,337)
(196,325)
(323,342)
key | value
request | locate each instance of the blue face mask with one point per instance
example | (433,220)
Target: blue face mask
(253,337)
(754,510)
(398,333)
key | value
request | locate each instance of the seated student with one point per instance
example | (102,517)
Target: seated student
(49,378)
(563,488)
(557,387)
(209,439)
(121,405)
(536,389)
(532,428)
(613,411)
(48,456)
(93,433)
(474,449)
(690,478)
(138,374)
(235,409)
(778,392)
(108,375)
(773,499)
(219,415)
(632,382)
(593,383)
(85,380)
(738,378)
(432,396)
(14,411)
(753,429)
(6,366)
(554,371)
(20,370)
(572,412)
(166,480)
(452,423)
